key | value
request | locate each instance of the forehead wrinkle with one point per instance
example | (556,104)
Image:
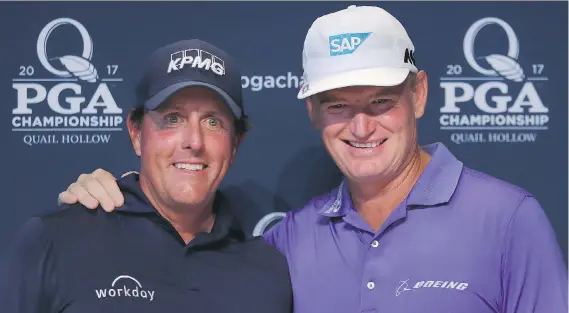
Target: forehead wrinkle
(206,104)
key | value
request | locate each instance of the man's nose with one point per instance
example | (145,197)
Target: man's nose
(362,125)
(193,137)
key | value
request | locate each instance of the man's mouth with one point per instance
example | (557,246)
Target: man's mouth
(195,167)
(365,145)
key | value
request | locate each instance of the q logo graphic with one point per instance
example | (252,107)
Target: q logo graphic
(502,65)
(79,67)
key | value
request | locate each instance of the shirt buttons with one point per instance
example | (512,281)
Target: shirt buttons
(370,285)
(375,243)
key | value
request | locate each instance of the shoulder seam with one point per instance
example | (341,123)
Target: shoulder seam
(510,221)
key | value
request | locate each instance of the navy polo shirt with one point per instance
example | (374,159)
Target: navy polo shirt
(132,260)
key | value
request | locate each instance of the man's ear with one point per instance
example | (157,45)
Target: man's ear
(236,144)
(134,134)
(310,106)
(421,92)
(238,140)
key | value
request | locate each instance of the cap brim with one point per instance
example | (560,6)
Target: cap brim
(164,94)
(380,77)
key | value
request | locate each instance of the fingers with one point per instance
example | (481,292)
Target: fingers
(79,192)
(92,190)
(66,198)
(110,185)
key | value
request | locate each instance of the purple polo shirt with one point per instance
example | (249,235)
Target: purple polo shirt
(461,242)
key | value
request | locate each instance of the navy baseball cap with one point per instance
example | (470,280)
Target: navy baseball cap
(189,63)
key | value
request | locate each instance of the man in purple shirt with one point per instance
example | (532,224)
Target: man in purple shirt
(409,229)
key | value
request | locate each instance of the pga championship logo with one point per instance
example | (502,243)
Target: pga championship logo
(501,104)
(73,103)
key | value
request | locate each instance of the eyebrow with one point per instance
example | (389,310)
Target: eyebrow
(323,99)
(389,91)
(213,112)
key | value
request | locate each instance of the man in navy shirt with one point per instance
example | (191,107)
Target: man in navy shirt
(410,228)
(174,246)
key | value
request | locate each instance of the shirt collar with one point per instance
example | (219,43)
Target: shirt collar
(436,184)
(339,203)
(439,179)
(135,201)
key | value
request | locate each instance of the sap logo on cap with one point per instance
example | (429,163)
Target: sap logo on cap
(196,58)
(346,43)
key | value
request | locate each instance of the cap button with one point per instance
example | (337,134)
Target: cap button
(353,6)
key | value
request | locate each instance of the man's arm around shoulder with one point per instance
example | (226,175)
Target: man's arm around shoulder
(534,274)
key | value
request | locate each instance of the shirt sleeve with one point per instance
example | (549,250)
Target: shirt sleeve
(27,270)
(534,275)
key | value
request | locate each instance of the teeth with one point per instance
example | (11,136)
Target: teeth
(367,144)
(191,167)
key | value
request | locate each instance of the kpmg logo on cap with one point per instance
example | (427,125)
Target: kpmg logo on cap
(196,58)
(346,43)
(500,103)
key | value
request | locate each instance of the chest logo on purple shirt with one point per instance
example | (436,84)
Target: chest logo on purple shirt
(404,285)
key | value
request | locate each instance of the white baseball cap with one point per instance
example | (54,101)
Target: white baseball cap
(357,46)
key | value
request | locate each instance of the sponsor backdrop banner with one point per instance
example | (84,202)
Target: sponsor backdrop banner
(497,95)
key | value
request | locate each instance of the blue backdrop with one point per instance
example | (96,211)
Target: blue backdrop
(51,134)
